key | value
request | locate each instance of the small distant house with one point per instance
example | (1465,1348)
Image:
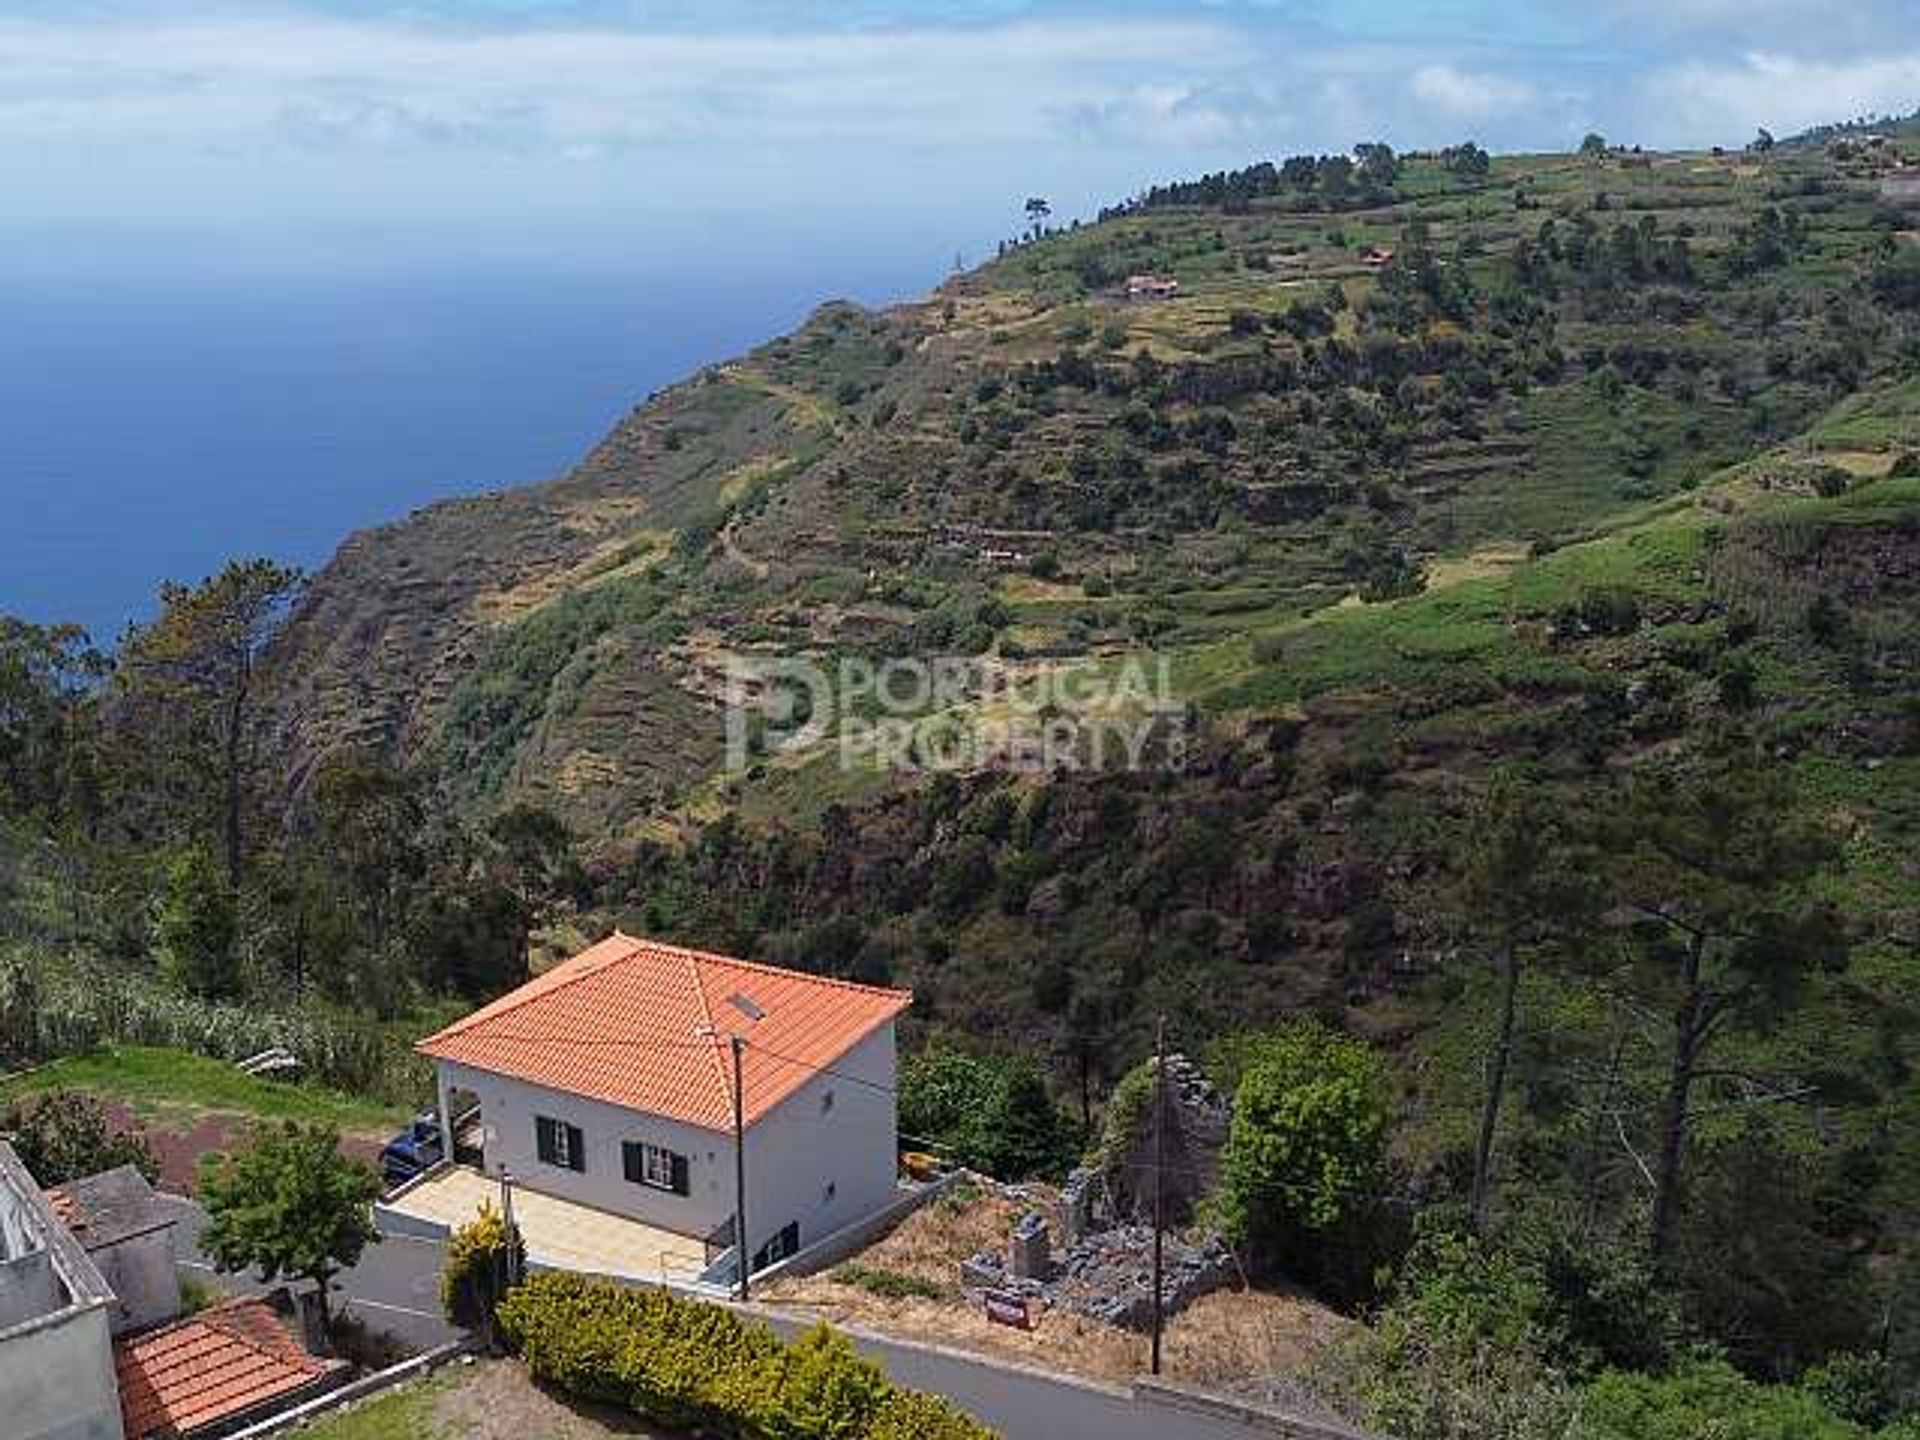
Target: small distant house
(127,1231)
(1152,287)
(608,1082)
(1377,257)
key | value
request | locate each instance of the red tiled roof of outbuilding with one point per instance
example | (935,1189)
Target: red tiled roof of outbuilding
(228,1359)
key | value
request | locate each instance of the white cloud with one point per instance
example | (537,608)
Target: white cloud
(287,112)
(1782,92)
(1467,94)
(385,84)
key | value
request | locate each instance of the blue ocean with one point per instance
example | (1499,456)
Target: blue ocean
(154,424)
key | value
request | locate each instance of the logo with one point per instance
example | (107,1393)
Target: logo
(953,714)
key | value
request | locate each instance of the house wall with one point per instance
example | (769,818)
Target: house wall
(56,1379)
(141,1272)
(794,1153)
(29,1288)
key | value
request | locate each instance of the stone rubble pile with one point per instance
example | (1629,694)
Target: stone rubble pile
(1106,1275)
(1103,1267)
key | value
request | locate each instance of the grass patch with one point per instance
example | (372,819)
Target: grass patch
(1460,635)
(888,1284)
(155,1082)
(403,1414)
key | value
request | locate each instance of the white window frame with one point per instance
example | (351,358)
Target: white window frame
(656,1166)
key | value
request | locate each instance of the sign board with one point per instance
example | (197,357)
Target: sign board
(1004,1307)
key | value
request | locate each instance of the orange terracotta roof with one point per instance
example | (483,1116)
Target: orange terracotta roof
(645,1025)
(222,1362)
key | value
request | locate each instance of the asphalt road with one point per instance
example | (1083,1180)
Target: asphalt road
(1030,1405)
(396,1287)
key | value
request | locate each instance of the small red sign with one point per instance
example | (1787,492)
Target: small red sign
(1006,1308)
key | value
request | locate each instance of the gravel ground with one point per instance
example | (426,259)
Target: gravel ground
(496,1401)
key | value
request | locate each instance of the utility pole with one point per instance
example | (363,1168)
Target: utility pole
(741,1255)
(508,1279)
(1159,1184)
(506,1217)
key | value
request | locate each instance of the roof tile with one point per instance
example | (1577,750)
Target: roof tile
(225,1360)
(646,1025)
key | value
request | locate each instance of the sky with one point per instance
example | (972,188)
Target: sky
(263,186)
(352,126)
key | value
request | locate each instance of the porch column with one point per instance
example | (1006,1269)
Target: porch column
(445,1103)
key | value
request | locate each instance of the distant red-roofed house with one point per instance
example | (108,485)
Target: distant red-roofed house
(1377,257)
(215,1371)
(1152,287)
(608,1081)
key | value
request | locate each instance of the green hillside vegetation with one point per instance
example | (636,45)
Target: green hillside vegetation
(1539,605)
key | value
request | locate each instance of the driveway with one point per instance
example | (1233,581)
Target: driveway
(395,1287)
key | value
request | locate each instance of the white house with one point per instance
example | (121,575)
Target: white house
(609,1082)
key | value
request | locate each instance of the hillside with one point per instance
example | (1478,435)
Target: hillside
(1508,494)
(1437,633)
(1030,460)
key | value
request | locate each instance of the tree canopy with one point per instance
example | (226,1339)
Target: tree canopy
(289,1204)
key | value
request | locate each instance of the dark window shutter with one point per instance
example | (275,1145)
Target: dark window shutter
(543,1139)
(631,1164)
(680,1180)
(576,1148)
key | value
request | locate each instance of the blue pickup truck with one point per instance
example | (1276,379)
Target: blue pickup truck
(415,1149)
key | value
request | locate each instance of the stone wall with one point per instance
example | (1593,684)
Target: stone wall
(1198,1119)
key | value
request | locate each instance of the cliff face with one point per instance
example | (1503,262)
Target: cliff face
(388,630)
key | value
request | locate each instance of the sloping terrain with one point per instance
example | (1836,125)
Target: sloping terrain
(1609,456)
(1031,461)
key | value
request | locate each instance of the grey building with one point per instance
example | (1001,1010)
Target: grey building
(127,1231)
(56,1349)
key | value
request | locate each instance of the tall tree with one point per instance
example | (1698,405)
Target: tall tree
(1037,212)
(47,673)
(1524,889)
(199,657)
(196,930)
(1720,869)
(1379,166)
(532,861)
(369,831)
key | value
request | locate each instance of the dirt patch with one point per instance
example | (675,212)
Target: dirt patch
(1226,1339)
(179,1144)
(497,1401)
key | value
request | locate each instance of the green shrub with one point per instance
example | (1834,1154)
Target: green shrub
(911,1415)
(827,1391)
(888,1284)
(473,1277)
(988,1113)
(1309,1132)
(67,1135)
(688,1365)
(1707,1398)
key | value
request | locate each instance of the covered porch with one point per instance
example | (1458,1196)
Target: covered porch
(559,1234)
